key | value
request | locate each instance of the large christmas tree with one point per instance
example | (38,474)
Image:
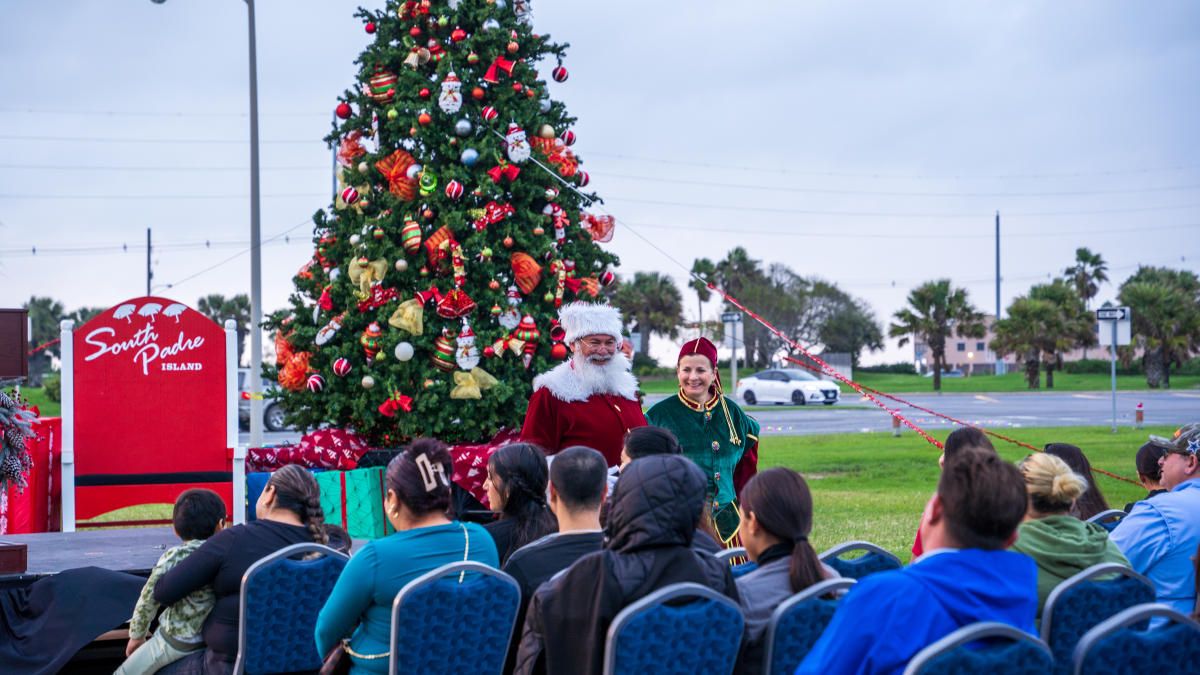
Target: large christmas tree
(430,301)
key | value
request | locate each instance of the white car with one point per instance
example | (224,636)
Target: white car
(786,386)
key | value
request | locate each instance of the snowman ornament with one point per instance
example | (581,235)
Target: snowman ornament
(466,355)
(511,316)
(450,100)
(517,144)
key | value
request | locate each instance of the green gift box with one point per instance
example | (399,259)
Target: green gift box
(354,500)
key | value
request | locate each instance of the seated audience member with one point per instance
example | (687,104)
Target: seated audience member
(965,576)
(1061,544)
(962,437)
(359,609)
(1092,500)
(647,441)
(1148,471)
(516,489)
(577,488)
(655,509)
(338,538)
(1160,535)
(198,515)
(776,522)
(289,512)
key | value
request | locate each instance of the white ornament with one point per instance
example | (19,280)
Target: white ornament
(326,334)
(518,146)
(354,239)
(368,382)
(401,264)
(335,273)
(450,100)
(510,318)
(403,351)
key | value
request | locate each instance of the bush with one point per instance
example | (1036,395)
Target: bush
(644,366)
(53,387)
(1100,367)
(904,368)
(1189,367)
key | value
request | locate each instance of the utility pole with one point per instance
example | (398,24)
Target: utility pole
(149,271)
(256,404)
(999,367)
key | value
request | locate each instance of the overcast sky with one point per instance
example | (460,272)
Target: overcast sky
(869,143)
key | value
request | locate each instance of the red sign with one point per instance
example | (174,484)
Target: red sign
(150,408)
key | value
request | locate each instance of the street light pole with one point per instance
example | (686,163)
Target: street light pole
(256,404)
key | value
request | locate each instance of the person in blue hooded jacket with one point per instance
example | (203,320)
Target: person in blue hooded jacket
(966,575)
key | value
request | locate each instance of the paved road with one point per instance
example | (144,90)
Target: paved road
(997,411)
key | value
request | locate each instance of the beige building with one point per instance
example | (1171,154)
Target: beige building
(973,356)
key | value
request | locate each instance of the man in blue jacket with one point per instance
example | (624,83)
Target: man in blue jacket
(966,575)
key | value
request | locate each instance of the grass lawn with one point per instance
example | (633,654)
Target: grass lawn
(37,396)
(874,487)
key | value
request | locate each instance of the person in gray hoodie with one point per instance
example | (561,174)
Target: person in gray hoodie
(1059,543)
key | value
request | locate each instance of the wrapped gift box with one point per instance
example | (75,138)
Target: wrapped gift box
(354,500)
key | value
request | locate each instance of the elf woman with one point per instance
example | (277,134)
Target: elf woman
(714,432)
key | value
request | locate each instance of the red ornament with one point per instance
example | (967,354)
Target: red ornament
(342,367)
(424,93)
(508,242)
(349,195)
(584,178)
(568,137)
(607,278)
(415,31)
(494,285)
(315,382)
(454,189)
(424,119)
(370,27)
(517,87)
(477,94)
(472,58)
(512,47)
(558,352)
(458,34)
(489,113)
(343,110)
(559,74)
(530,92)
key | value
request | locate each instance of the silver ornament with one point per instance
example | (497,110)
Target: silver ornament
(491,24)
(544,105)
(469,156)
(501,4)
(463,127)
(413,171)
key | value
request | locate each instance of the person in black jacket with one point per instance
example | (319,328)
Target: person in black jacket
(655,509)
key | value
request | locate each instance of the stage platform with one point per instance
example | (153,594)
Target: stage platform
(133,550)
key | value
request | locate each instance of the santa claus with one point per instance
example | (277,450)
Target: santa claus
(590,399)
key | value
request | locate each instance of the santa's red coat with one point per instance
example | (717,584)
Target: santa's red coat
(601,422)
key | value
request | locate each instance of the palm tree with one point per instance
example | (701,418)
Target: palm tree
(1022,334)
(936,310)
(654,301)
(1166,319)
(704,269)
(1088,272)
(218,308)
(1068,326)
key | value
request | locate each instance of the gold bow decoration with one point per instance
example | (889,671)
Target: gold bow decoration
(409,316)
(470,385)
(364,273)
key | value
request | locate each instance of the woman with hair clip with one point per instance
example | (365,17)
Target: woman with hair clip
(289,512)
(358,612)
(714,432)
(777,515)
(517,476)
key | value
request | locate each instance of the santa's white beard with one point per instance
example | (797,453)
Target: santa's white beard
(602,377)
(518,151)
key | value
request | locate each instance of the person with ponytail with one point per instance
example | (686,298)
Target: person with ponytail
(1059,543)
(288,512)
(517,478)
(777,513)
(358,613)
(713,431)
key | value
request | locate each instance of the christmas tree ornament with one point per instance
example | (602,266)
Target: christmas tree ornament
(558,352)
(455,304)
(366,273)
(427,183)
(450,100)
(404,351)
(315,382)
(363,167)
(395,403)
(490,25)
(393,114)
(395,168)
(469,157)
(368,382)
(471,384)
(583,178)
(489,113)
(377,233)
(355,239)
(429,383)
(350,148)
(500,5)
(607,278)
(499,65)
(523,10)
(560,74)
(512,47)
(343,110)
(551,193)
(370,27)
(546,131)
(568,137)
(508,242)
(342,367)
(415,31)
(412,131)
(443,21)
(423,118)
(381,87)
(409,316)
(538,230)
(401,265)
(463,127)
(443,354)
(370,341)
(477,93)
(526,272)
(544,105)
(528,333)
(454,190)
(600,227)
(494,285)
(485,254)
(424,93)
(410,235)
(516,146)
(458,34)
(472,58)
(436,51)
(326,333)
(467,354)
(504,171)
(517,87)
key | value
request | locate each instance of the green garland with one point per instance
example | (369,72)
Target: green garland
(15,430)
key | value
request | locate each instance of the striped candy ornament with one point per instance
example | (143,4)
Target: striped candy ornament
(454,189)
(350,195)
(342,367)
(443,354)
(559,74)
(315,382)
(489,113)
(410,236)
(568,137)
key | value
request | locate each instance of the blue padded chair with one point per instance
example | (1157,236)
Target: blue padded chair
(875,560)
(467,608)
(1108,519)
(797,623)
(1116,645)
(743,569)
(1084,600)
(256,482)
(984,647)
(730,554)
(658,635)
(281,597)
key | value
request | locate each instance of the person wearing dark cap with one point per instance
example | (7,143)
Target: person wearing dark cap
(1148,471)
(714,432)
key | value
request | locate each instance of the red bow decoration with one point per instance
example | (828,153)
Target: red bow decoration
(379,297)
(326,301)
(493,213)
(394,168)
(350,148)
(600,227)
(427,296)
(504,170)
(587,285)
(556,155)
(396,402)
(500,63)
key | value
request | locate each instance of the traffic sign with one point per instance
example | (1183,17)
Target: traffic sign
(1112,314)
(731,317)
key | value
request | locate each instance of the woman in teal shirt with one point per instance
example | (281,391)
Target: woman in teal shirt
(714,432)
(360,606)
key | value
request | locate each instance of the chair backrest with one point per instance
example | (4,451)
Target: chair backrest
(743,569)
(658,635)
(1084,600)
(984,647)
(1117,646)
(457,618)
(797,622)
(277,614)
(875,560)
(1108,519)
(729,554)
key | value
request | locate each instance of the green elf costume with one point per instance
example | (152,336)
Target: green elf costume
(719,437)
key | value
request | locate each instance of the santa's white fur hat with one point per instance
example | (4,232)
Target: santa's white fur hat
(581,319)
